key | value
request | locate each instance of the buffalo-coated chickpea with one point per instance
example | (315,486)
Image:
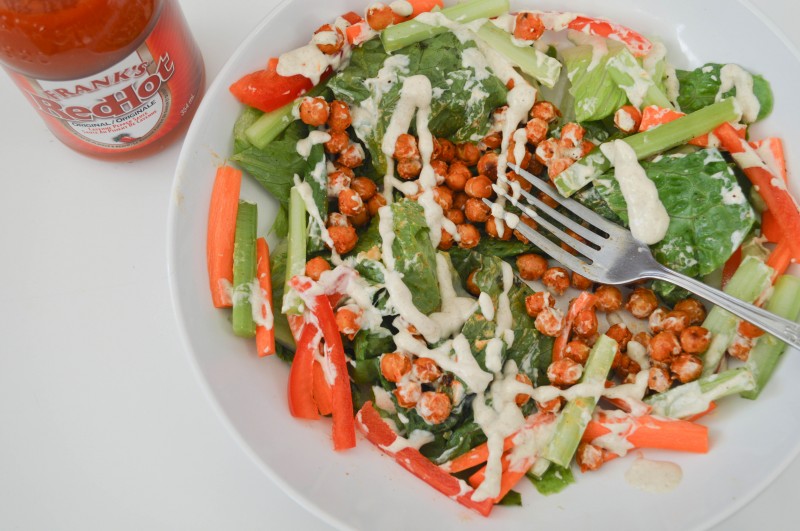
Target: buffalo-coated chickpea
(659,379)
(609,298)
(361,219)
(545,151)
(364,187)
(468,153)
(675,321)
(695,339)
(446,241)
(460,200)
(531,266)
(642,302)
(528,27)
(344,238)
(493,232)
(375,203)
(456,216)
(394,366)
(492,141)
(426,370)
(440,170)
(550,321)
(695,309)
(339,118)
(471,286)
(314,111)
(457,176)
(479,187)
(538,301)
(337,219)
(477,211)
(470,237)
(525,220)
(558,165)
(585,323)
(352,156)
(329,39)
(434,407)
(686,368)
(581,282)
(487,165)
(409,168)
(348,320)
(406,147)
(519,179)
(350,203)
(446,150)
(664,346)
(338,181)
(316,266)
(522,398)
(338,141)
(557,279)
(578,351)
(444,197)
(536,130)
(407,393)
(380,17)
(572,134)
(547,200)
(544,110)
(621,334)
(656,320)
(643,338)
(564,372)
(551,406)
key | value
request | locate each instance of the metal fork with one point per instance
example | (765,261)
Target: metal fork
(615,257)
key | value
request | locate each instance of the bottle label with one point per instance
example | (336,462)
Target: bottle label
(130,104)
(119,107)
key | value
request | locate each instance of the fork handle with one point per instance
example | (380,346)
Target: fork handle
(783,329)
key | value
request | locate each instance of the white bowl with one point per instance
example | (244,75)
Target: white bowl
(751,442)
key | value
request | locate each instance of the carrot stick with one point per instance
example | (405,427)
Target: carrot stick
(352,17)
(221,231)
(694,418)
(476,456)
(323,393)
(508,479)
(770,186)
(423,6)
(653,432)
(265,336)
(584,301)
(356,33)
(779,259)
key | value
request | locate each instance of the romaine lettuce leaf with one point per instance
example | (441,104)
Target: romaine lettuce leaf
(595,93)
(699,88)
(709,213)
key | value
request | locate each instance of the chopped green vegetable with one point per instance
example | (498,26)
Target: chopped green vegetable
(596,95)
(244,269)
(531,61)
(695,397)
(296,257)
(699,88)
(553,481)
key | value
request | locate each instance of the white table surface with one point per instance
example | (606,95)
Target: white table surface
(102,423)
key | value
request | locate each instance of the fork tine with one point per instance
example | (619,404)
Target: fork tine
(581,247)
(570,204)
(564,220)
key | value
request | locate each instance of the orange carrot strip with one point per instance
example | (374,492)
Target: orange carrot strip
(476,456)
(694,418)
(653,432)
(508,479)
(323,392)
(221,230)
(770,186)
(423,6)
(265,337)
(780,258)
(357,32)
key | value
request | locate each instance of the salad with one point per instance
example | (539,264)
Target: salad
(408,303)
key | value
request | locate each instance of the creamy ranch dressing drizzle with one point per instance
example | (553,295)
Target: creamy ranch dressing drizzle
(654,476)
(304,189)
(734,76)
(598,44)
(304,145)
(647,216)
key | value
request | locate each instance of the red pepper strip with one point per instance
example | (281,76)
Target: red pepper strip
(732,265)
(774,146)
(638,45)
(352,17)
(379,433)
(584,301)
(344,431)
(323,392)
(301,375)
(770,186)
(267,90)
(779,259)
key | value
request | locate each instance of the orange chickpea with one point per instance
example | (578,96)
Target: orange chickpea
(446,151)
(544,110)
(338,141)
(316,266)
(528,27)
(536,130)
(344,169)
(627,119)
(577,351)
(477,211)
(643,338)
(558,165)
(440,169)
(675,321)
(519,179)
(695,339)
(314,111)
(408,394)
(522,398)
(434,407)
(550,321)
(492,141)
(492,231)
(375,203)
(344,238)
(686,368)
(446,241)
(460,200)
(564,372)
(426,370)
(609,298)
(380,17)
(444,197)
(360,220)
(471,286)
(621,334)
(394,366)
(695,309)
(339,118)
(409,168)
(406,147)
(348,320)
(525,221)
(512,158)
(551,406)
(656,320)
(364,187)
(537,302)
(456,216)
(479,187)
(590,457)
(468,153)
(664,346)
(642,303)
(749,330)
(487,165)
(546,151)
(557,279)
(572,134)
(531,266)
(659,379)
(350,203)
(338,181)
(352,156)
(333,39)
(337,219)
(581,282)
(470,237)
(457,176)
(585,324)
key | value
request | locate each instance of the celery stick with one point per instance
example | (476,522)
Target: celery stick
(541,66)
(750,280)
(695,397)
(578,412)
(296,254)
(244,269)
(413,31)
(785,302)
(270,124)
(632,78)
(650,142)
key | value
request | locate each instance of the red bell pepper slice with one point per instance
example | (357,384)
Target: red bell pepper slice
(379,433)
(267,90)
(636,43)
(301,375)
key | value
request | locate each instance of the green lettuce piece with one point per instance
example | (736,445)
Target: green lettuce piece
(247,118)
(553,481)
(699,88)
(370,344)
(512,499)
(463,98)
(709,213)
(596,95)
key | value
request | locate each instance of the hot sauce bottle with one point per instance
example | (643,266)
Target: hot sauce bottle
(111,78)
